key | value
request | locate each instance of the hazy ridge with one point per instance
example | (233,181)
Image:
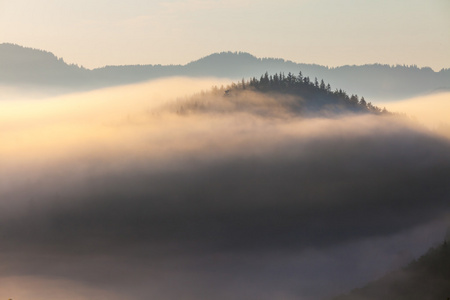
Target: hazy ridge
(26,66)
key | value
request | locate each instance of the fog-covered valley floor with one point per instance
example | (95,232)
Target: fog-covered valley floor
(120,194)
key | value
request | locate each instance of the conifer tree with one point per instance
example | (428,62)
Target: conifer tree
(300,77)
(322,85)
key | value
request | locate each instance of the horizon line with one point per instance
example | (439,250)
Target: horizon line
(229,52)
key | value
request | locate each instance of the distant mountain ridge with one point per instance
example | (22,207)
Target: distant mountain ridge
(26,66)
(20,65)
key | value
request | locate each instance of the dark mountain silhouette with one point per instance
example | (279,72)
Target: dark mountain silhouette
(425,278)
(26,66)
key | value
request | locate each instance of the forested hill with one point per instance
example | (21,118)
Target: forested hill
(26,66)
(425,278)
(376,81)
(277,95)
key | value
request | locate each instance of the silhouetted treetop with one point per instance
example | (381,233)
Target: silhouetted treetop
(296,94)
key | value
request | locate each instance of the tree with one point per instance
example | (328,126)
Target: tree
(276,80)
(290,79)
(306,80)
(322,85)
(354,99)
(363,102)
(300,77)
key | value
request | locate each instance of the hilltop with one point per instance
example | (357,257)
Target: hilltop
(277,95)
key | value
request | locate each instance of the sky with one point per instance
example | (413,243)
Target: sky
(327,32)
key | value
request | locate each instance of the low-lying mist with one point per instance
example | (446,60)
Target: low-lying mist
(432,111)
(117,193)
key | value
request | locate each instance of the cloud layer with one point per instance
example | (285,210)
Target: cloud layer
(107,192)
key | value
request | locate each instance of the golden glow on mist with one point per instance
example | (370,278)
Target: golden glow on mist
(432,110)
(132,124)
(64,124)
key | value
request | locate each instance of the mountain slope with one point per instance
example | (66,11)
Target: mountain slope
(20,65)
(426,278)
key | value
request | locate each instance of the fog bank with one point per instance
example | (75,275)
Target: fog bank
(431,110)
(110,194)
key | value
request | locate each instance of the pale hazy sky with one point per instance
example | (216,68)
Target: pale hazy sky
(328,32)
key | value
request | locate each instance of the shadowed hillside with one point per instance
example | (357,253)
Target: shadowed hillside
(425,278)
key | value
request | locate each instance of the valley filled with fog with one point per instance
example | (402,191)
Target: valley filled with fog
(165,189)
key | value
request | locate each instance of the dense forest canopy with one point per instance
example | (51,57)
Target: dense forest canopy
(294,94)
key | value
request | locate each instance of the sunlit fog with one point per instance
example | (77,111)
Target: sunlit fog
(166,190)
